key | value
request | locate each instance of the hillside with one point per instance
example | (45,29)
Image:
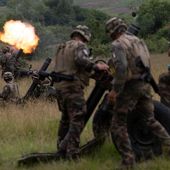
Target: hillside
(109,6)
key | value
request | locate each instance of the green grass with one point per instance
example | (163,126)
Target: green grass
(33,128)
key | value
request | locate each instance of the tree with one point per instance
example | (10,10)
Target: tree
(60,12)
(153,15)
(28,10)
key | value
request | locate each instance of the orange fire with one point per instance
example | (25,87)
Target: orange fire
(20,35)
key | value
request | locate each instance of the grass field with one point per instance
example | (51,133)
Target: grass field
(33,127)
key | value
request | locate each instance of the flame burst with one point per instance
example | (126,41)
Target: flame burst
(20,35)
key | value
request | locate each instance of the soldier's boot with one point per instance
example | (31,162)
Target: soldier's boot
(73,150)
(73,155)
(61,153)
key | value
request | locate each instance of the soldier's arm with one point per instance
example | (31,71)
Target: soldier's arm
(120,65)
(82,58)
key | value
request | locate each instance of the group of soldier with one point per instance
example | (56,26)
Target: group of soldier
(128,90)
(12,68)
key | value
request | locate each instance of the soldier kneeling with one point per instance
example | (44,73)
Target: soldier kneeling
(10,92)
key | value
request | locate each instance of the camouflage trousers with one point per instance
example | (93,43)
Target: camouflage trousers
(136,95)
(73,107)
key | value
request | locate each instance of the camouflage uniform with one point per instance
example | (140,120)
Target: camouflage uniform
(45,90)
(10,63)
(7,61)
(10,92)
(132,92)
(72,59)
(164,88)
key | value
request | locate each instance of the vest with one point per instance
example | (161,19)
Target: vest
(65,64)
(134,47)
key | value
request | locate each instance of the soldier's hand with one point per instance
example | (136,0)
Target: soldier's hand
(112,97)
(102,67)
(35,76)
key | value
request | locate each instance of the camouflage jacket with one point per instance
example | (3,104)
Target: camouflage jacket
(10,92)
(125,51)
(72,58)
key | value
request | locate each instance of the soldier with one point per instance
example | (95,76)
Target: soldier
(45,90)
(7,61)
(164,87)
(129,89)
(10,92)
(11,63)
(72,59)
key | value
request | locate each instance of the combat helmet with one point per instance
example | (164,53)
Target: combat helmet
(8,76)
(113,24)
(83,30)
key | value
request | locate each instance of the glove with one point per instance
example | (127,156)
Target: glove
(101,67)
(112,97)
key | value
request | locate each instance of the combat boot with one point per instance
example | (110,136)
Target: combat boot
(125,167)
(127,164)
(73,156)
(61,154)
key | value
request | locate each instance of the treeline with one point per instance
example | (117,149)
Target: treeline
(54,20)
(154,20)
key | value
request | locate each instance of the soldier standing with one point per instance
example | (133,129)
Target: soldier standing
(72,58)
(129,90)
(10,92)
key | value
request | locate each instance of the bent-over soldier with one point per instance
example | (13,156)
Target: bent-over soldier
(129,88)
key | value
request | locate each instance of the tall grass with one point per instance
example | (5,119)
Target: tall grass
(33,127)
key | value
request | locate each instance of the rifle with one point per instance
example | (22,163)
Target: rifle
(147,75)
